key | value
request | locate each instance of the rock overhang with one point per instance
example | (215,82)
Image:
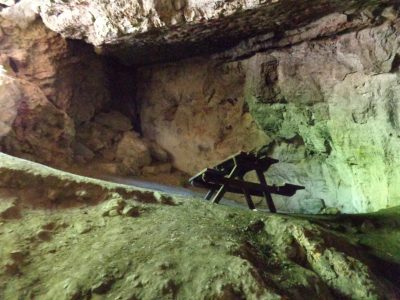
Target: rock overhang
(143,32)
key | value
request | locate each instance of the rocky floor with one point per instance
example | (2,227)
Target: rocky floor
(64,236)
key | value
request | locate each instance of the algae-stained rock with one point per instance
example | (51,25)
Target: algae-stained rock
(340,117)
(325,107)
(124,246)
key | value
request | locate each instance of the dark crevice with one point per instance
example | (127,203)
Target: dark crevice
(395,64)
(122,86)
(13,64)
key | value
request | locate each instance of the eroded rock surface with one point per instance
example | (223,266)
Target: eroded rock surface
(56,97)
(196,111)
(149,31)
(30,125)
(47,87)
(326,107)
(69,74)
(79,238)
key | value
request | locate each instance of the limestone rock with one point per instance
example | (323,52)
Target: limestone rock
(330,211)
(8,2)
(97,137)
(82,153)
(199,117)
(149,31)
(116,203)
(133,153)
(312,206)
(70,75)
(157,152)
(112,168)
(334,128)
(60,84)
(30,125)
(131,211)
(9,208)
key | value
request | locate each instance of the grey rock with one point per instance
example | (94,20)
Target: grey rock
(312,205)
(152,31)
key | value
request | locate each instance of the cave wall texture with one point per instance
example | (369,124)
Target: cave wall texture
(59,99)
(50,87)
(326,106)
(316,83)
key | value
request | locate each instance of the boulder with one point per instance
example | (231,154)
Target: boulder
(82,153)
(133,153)
(97,137)
(114,120)
(200,117)
(158,153)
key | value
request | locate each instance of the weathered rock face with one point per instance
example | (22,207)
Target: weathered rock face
(331,108)
(30,125)
(196,111)
(319,93)
(149,31)
(327,109)
(69,75)
(48,85)
(53,95)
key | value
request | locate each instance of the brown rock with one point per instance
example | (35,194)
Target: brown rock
(158,153)
(44,235)
(157,169)
(30,125)
(59,83)
(114,120)
(133,153)
(9,209)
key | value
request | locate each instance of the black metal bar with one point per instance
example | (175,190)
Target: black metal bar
(222,190)
(267,195)
(221,179)
(255,189)
(209,194)
(247,195)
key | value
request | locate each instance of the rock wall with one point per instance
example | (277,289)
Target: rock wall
(49,86)
(57,103)
(326,107)
(196,111)
(319,94)
(141,32)
(69,74)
